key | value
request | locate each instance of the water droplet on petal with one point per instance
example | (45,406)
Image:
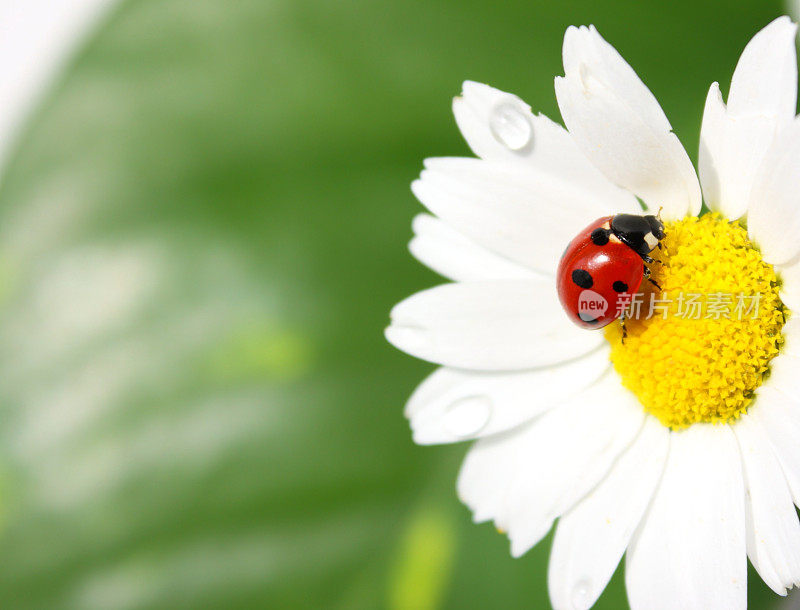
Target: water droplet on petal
(581,595)
(468,416)
(510,126)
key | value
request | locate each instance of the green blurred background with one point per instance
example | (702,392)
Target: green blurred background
(202,231)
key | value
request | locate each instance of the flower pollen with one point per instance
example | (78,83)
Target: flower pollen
(713,328)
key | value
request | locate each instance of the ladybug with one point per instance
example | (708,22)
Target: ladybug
(604,265)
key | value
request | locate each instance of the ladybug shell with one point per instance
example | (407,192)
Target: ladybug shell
(594,281)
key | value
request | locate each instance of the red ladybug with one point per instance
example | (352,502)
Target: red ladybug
(604,265)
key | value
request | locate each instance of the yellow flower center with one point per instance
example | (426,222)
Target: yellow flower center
(698,348)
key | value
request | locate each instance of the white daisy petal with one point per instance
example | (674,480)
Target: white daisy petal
(525,216)
(558,457)
(765,79)
(458,258)
(773,215)
(791,339)
(491,119)
(471,404)
(487,473)
(566,453)
(489,326)
(762,100)
(618,124)
(731,151)
(790,290)
(773,529)
(689,552)
(591,538)
(783,374)
(780,416)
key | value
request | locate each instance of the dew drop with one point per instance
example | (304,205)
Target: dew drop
(510,126)
(468,416)
(581,593)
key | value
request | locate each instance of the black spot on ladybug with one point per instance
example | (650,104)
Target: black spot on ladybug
(619,286)
(599,237)
(582,278)
(588,318)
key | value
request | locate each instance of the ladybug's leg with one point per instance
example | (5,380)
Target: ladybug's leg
(660,247)
(624,328)
(649,279)
(650,260)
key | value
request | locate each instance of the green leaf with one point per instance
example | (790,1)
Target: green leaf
(201,236)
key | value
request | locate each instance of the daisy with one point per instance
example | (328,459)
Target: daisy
(679,447)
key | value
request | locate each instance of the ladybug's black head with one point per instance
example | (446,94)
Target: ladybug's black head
(656,226)
(642,233)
